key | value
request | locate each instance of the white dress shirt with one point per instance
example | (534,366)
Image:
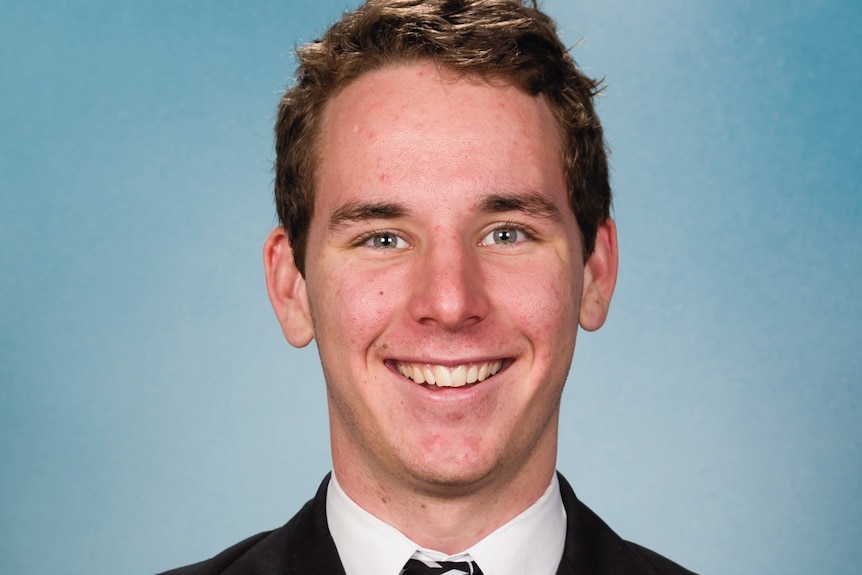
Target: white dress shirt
(532,542)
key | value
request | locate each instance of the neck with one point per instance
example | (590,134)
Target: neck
(451,517)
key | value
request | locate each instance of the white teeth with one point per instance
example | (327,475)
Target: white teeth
(459,376)
(417,374)
(443,376)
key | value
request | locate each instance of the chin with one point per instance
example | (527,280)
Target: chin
(452,478)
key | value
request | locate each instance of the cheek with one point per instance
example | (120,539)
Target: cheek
(542,295)
(544,303)
(351,305)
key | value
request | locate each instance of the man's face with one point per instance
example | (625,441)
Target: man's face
(442,248)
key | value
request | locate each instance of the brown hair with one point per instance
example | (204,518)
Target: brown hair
(494,40)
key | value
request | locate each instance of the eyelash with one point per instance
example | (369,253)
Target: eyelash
(520,228)
(365,238)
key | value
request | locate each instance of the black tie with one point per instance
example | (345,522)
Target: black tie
(417,567)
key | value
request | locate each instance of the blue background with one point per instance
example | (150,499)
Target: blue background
(151,413)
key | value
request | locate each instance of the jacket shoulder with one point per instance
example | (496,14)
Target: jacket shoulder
(659,563)
(593,547)
(302,545)
(221,561)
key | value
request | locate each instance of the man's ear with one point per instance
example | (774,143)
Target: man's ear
(600,277)
(286,288)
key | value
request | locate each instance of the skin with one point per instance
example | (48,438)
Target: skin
(442,235)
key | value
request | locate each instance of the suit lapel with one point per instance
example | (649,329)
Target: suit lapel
(592,547)
(303,546)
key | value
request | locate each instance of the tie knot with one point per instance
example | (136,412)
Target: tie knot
(417,567)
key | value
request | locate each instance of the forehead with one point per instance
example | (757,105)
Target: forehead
(409,124)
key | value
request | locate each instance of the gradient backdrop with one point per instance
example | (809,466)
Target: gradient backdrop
(151,413)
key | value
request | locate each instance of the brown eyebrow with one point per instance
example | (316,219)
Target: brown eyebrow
(363,211)
(528,203)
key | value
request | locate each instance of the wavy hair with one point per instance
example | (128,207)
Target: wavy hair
(506,41)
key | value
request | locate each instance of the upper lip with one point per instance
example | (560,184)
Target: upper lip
(450,374)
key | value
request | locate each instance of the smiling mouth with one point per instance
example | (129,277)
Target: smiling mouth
(444,376)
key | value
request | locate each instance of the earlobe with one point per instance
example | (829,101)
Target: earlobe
(287,290)
(600,277)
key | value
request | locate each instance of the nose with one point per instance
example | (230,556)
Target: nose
(450,288)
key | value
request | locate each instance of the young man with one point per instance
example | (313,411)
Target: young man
(442,189)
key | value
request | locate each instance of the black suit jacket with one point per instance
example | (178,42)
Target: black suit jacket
(304,546)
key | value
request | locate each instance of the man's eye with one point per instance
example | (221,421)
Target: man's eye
(385,240)
(504,236)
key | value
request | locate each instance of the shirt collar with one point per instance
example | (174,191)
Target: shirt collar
(532,542)
(366,545)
